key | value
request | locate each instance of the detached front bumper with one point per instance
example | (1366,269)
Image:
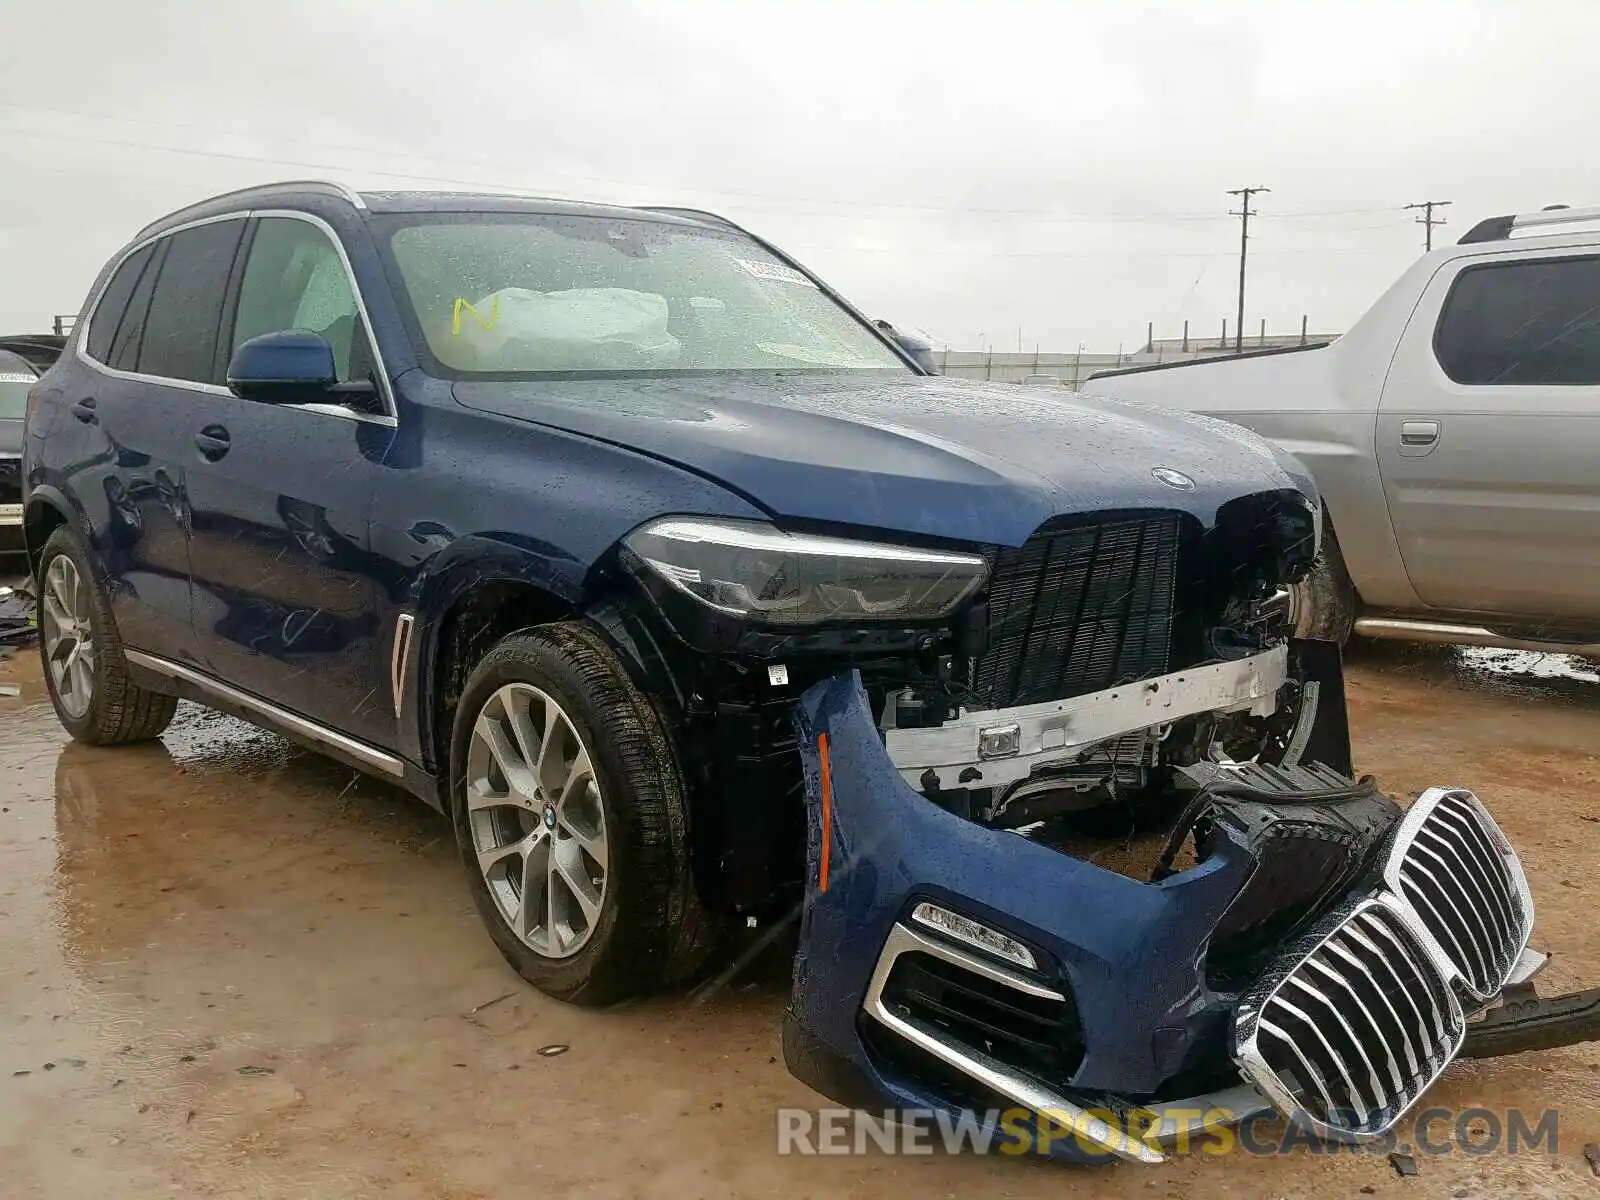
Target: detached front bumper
(1081,995)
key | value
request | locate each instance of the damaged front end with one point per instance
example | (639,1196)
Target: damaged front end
(1143,908)
(1084,838)
(1320,955)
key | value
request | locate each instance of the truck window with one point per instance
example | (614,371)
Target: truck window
(1532,322)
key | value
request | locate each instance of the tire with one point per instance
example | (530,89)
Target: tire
(647,929)
(101,706)
(1325,600)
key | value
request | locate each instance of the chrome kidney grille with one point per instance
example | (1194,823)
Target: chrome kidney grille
(1456,871)
(1354,1023)
(1356,1029)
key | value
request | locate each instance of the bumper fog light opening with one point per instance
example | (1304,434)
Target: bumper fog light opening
(971,933)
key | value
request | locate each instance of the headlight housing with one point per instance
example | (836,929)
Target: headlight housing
(755,571)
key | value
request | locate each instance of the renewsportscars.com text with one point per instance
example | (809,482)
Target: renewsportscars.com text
(1015,1131)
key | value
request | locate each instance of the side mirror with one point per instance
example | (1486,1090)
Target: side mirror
(291,367)
(920,351)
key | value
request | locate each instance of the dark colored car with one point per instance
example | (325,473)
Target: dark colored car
(22,359)
(693,601)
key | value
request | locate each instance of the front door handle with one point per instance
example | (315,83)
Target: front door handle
(84,411)
(1419,433)
(213,442)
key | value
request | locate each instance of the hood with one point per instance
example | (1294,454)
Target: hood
(10,438)
(919,454)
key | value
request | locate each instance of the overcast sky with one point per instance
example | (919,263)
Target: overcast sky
(970,169)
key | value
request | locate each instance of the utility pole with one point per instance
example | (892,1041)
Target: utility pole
(1244,214)
(1427,220)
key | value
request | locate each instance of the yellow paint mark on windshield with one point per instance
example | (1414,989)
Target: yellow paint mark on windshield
(455,316)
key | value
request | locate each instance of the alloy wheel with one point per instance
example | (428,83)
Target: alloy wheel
(538,825)
(69,649)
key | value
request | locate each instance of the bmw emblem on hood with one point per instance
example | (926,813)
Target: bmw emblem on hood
(1173,479)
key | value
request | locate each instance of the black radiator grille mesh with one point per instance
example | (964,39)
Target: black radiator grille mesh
(1079,608)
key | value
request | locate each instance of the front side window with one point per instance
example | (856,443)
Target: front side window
(1534,322)
(295,279)
(526,294)
(180,331)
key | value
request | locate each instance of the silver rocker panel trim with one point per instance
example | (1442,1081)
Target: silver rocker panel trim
(378,760)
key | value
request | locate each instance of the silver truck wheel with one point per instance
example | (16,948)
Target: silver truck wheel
(1323,604)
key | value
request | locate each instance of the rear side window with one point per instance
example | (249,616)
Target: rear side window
(113,304)
(1535,322)
(180,333)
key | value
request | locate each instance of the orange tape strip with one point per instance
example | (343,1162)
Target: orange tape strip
(827,812)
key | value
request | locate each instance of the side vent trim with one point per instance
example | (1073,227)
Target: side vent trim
(398,658)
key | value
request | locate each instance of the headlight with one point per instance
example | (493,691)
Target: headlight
(753,570)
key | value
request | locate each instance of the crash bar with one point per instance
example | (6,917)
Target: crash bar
(1039,734)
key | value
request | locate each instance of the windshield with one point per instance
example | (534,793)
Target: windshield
(15,380)
(532,293)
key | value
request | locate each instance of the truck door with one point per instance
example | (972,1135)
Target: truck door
(1489,435)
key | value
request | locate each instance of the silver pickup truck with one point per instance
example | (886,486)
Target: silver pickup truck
(1455,435)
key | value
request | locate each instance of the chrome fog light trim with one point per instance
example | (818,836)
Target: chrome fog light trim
(1024,1090)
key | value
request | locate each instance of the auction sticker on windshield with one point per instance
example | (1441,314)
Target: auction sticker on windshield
(774,271)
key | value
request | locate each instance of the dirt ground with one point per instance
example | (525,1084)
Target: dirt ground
(230,968)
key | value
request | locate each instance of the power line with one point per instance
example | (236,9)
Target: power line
(1427,220)
(1244,241)
(430,177)
(900,210)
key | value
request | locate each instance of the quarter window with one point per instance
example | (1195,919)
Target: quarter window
(113,303)
(129,333)
(180,334)
(295,279)
(1532,322)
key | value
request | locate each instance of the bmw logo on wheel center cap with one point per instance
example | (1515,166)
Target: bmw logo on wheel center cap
(1173,479)
(549,817)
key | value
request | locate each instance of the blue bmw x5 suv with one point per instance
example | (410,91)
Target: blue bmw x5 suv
(690,599)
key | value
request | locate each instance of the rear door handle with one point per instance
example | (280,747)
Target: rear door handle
(1419,433)
(213,442)
(84,410)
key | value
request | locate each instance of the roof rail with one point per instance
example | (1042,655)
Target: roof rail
(699,214)
(1498,229)
(323,186)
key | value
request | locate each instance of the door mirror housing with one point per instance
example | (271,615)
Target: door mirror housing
(288,367)
(919,350)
